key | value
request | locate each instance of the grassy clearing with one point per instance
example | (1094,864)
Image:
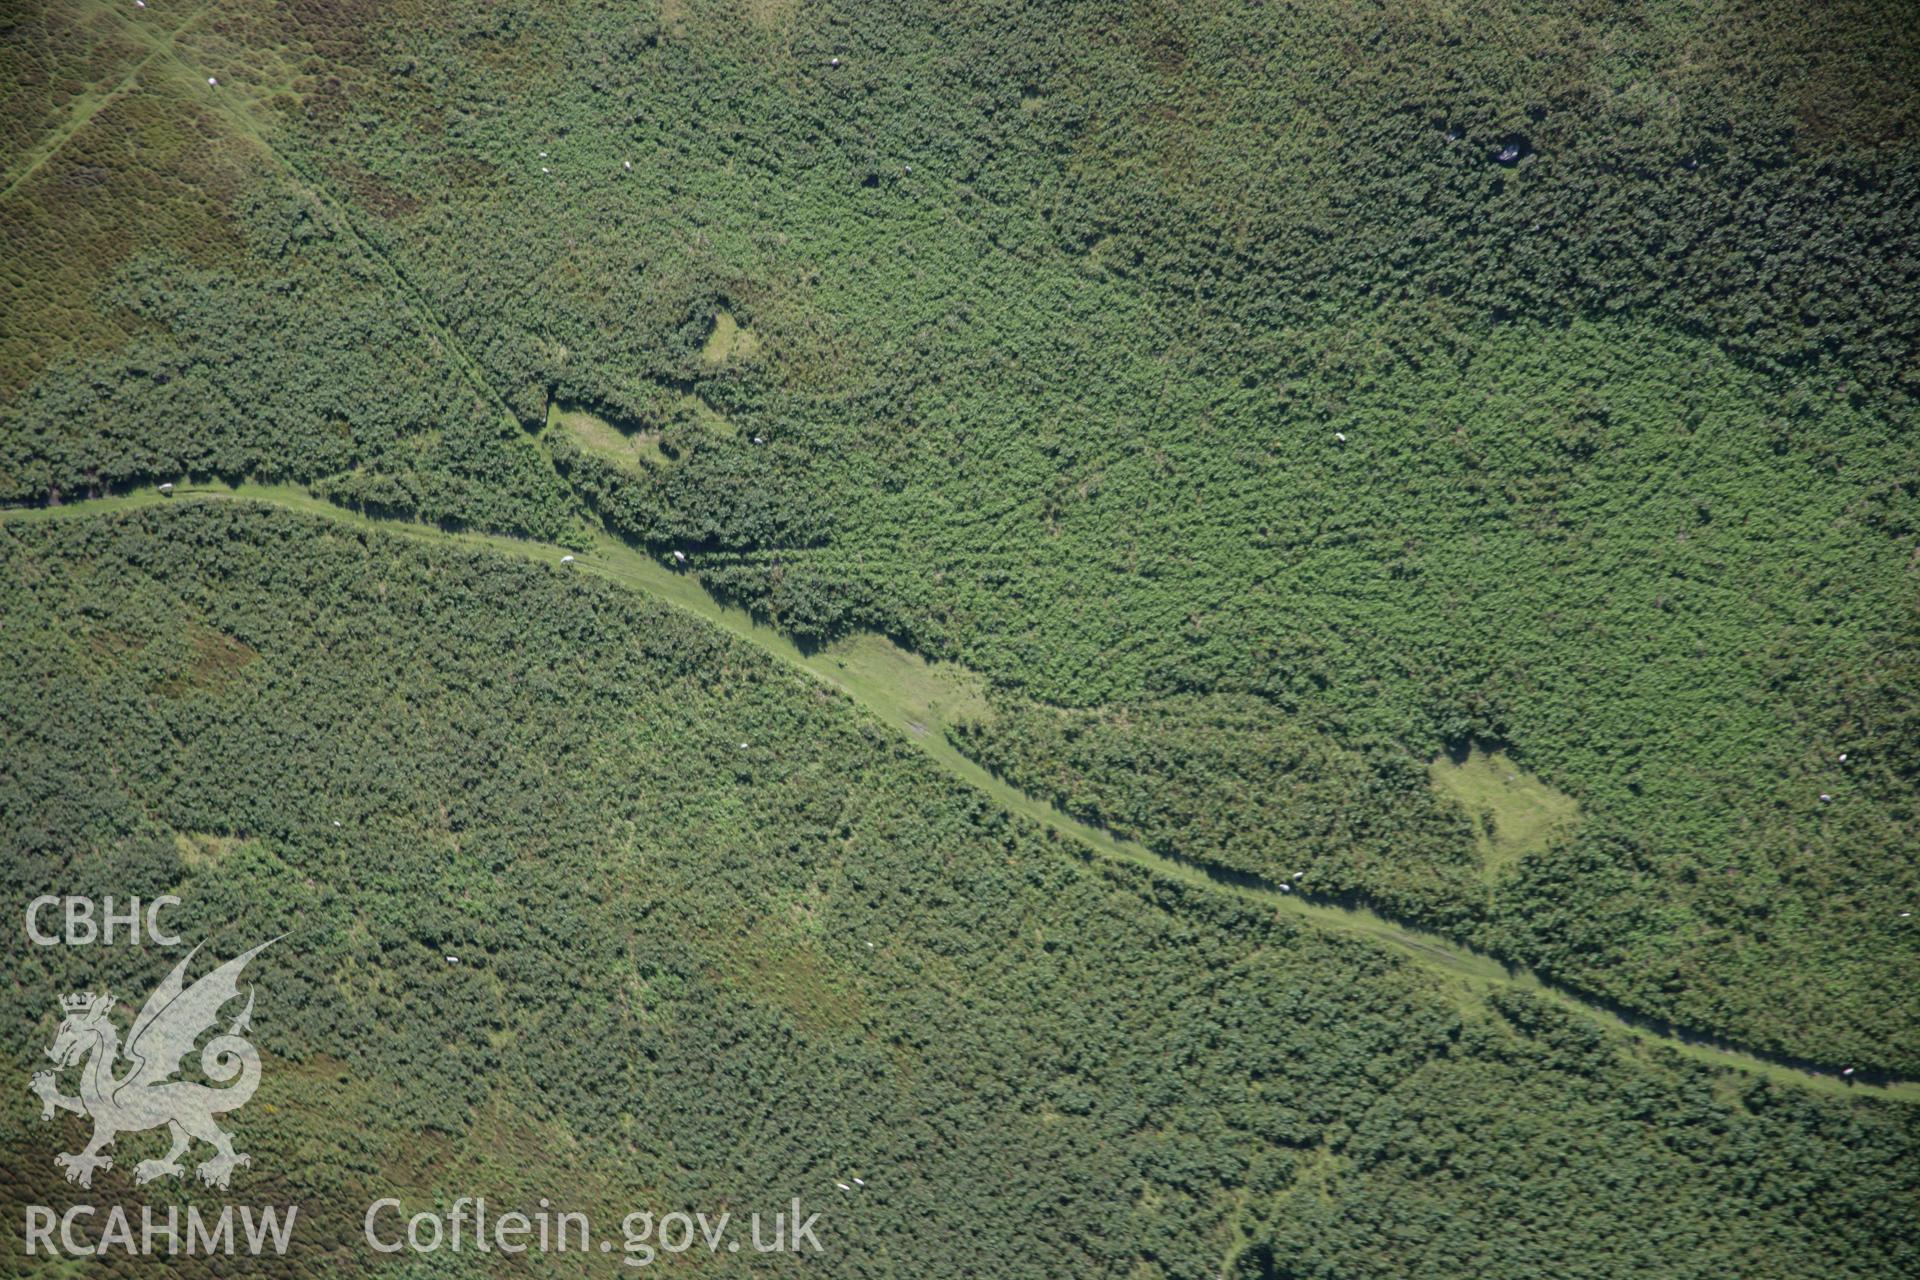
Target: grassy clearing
(199,849)
(728,341)
(1513,813)
(633,451)
(708,418)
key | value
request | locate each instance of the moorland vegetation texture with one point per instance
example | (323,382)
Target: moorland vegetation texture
(1463,454)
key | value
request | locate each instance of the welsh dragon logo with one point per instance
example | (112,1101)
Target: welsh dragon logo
(147,1095)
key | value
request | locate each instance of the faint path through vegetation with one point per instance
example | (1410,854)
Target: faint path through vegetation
(917,697)
(49,146)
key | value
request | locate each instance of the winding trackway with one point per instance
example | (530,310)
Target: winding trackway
(887,689)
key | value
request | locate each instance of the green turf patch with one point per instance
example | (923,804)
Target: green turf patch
(1513,813)
(633,451)
(728,341)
